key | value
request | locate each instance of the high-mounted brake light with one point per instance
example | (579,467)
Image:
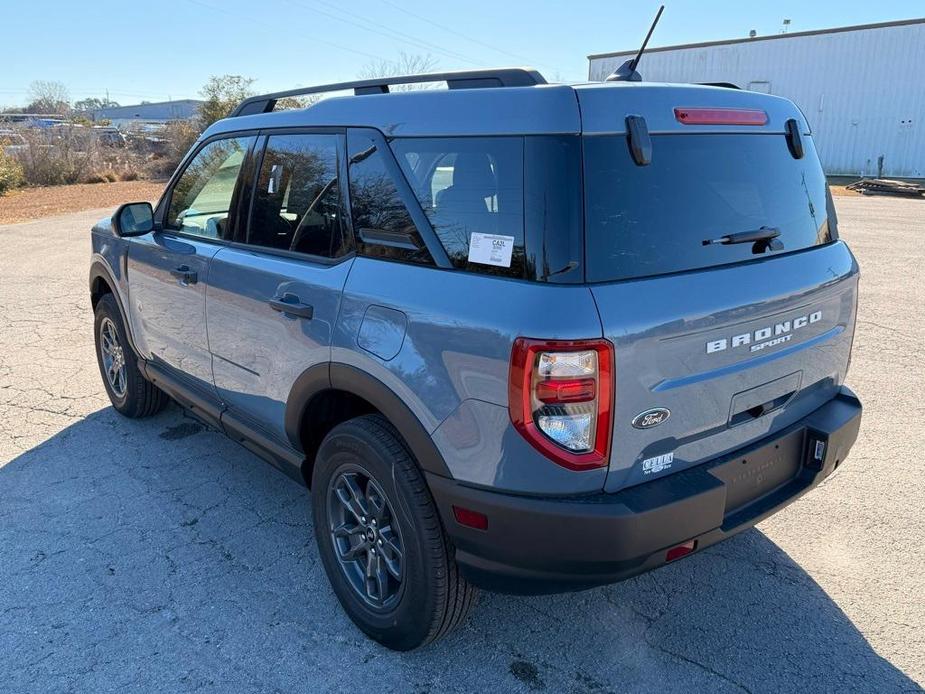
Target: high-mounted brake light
(560,399)
(721,116)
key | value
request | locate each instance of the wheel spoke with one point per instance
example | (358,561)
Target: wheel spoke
(391,553)
(350,495)
(375,502)
(355,552)
(377,580)
(382,580)
(348,531)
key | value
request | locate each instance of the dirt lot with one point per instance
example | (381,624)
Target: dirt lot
(34,203)
(157,555)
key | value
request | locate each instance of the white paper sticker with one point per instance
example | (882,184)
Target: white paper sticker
(657,464)
(490,249)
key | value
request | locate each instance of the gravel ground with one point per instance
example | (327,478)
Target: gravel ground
(157,555)
(35,203)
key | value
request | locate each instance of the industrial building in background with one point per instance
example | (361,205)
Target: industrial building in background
(862,88)
(153,113)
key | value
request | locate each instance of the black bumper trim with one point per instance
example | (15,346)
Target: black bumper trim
(543,544)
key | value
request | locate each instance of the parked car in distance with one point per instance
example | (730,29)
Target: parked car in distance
(512,335)
(12,142)
(108,136)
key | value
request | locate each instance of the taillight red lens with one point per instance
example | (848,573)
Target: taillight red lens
(721,116)
(566,390)
(560,399)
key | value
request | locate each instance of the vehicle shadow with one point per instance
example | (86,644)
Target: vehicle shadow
(159,554)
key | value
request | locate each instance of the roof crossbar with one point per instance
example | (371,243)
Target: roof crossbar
(463,79)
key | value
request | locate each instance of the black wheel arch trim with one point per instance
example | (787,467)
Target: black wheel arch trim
(337,376)
(99,270)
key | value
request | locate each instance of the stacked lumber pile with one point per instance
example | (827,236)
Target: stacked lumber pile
(886,186)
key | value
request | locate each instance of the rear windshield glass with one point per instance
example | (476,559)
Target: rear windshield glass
(654,219)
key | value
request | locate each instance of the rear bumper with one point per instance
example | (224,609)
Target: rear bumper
(542,545)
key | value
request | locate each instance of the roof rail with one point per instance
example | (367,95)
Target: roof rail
(463,79)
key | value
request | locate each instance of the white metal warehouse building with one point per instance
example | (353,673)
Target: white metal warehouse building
(862,88)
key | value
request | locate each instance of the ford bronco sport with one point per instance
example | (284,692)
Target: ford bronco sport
(515,335)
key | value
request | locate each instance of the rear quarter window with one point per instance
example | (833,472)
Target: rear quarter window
(651,220)
(524,189)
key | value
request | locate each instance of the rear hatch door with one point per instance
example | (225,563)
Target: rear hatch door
(717,344)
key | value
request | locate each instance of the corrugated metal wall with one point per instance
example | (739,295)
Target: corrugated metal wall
(862,91)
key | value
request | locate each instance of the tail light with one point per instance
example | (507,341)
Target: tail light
(561,395)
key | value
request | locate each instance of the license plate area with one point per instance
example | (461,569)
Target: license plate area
(756,474)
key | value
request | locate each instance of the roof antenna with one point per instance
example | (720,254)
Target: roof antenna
(627,71)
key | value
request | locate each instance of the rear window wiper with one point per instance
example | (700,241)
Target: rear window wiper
(764,238)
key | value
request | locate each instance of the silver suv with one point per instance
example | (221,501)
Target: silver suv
(516,335)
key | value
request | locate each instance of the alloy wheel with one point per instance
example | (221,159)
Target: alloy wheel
(366,537)
(113,356)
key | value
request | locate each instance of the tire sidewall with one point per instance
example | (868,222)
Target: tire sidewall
(107,308)
(408,623)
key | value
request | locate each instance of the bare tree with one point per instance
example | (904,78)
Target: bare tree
(47,96)
(405,64)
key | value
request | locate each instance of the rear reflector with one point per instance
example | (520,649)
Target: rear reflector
(681,550)
(470,518)
(721,116)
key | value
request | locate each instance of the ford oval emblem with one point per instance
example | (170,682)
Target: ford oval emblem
(651,418)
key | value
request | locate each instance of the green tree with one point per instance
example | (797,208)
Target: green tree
(221,95)
(11,174)
(293,102)
(93,104)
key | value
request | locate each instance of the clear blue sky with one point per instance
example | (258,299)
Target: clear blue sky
(159,49)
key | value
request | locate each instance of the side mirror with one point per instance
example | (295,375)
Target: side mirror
(133,219)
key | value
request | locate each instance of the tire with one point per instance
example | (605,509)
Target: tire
(132,394)
(431,598)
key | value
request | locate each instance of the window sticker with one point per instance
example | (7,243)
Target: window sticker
(490,249)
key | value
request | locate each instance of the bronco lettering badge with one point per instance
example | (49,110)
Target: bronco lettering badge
(651,418)
(769,336)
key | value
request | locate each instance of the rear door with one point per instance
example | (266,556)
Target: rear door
(274,294)
(724,343)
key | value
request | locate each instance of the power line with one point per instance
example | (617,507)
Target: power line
(275,29)
(459,33)
(382,30)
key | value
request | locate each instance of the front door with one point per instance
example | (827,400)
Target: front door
(169,268)
(273,298)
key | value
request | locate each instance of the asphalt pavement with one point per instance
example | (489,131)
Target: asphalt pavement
(156,555)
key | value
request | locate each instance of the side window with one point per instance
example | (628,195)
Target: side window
(201,198)
(472,190)
(383,225)
(297,200)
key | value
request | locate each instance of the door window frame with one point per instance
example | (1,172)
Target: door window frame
(408,198)
(247,208)
(163,205)
(242,200)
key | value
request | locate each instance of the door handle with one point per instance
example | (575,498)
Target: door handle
(185,275)
(290,303)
